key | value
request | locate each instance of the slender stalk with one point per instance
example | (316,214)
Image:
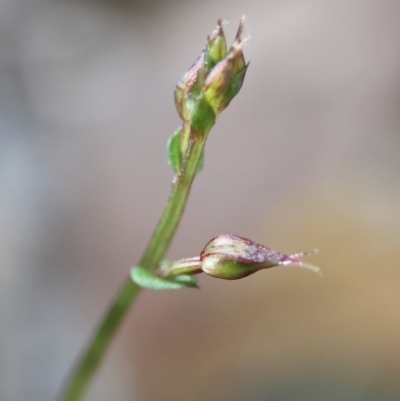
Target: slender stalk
(181,266)
(173,212)
(158,246)
(92,356)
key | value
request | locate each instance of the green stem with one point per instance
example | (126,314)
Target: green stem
(173,212)
(181,266)
(158,246)
(94,353)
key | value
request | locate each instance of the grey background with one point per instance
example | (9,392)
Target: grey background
(306,156)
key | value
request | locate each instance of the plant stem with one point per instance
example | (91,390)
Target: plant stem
(158,246)
(173,212)
(94,353)
(181,266)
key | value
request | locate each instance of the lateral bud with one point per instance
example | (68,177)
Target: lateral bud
(232,257)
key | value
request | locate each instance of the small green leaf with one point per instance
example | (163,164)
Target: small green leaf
(174,151)
(234,86)
(146,279)
(203,116)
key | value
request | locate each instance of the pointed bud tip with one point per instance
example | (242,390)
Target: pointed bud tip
(242,27)
(293,260)
(310,267)
(219,29)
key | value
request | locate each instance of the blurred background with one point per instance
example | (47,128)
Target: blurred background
(306,156)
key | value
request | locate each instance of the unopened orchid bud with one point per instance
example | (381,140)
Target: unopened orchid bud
(226,78)
(188,87)
(232,257)
(235,52)
(214,79)
(239,67)
(206,89)
(217,83)
(216,46)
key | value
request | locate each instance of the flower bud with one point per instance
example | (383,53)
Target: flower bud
(235,52)
(216,46)
(232,257)
(212,82)
(186,88)
(224,81)
(217,83)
